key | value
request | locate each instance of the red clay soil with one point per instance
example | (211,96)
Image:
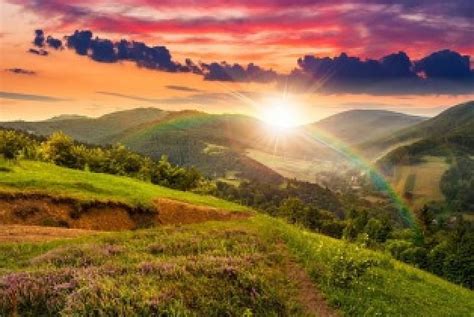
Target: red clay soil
(44,210)
(175,212)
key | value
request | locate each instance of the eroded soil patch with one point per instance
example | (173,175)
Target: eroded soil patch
(45,210)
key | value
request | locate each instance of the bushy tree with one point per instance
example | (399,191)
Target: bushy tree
(14,144)
(60,149)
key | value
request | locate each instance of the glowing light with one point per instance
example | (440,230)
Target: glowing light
(279,113)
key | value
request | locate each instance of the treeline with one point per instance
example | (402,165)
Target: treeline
(309,205)
(457,184)
(62,150)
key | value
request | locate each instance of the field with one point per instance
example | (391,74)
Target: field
(421,180)
(304,170)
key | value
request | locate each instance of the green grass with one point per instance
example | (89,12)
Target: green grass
(217,268)
(422,179)
(33,176)
(388,288)
(235,268)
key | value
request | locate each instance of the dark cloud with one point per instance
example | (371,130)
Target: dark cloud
(28,97)
(20,71)
(40,52)
(444,72)
(182,88)
(159,58)
(445,64)
(236,72)
(54,43)
(38,41)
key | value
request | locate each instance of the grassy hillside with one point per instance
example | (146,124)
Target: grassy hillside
(450,130)
(359,126)
(420,183)
(39,177)
(260,266)
(90,130)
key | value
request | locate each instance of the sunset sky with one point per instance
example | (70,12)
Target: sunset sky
(196,55)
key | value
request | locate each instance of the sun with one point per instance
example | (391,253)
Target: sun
(279,113)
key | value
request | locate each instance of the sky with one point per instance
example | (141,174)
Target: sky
(92,57)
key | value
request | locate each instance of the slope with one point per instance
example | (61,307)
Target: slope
(359,126)
(89,130)
(437,145)
(453,126)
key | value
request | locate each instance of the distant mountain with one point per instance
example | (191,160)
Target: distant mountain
(90,130)
(359,126)
(451,130)
(438,153)
(215,144)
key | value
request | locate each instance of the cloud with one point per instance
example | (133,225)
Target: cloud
(445,64)
(235,72)
(39,52)
(20,71)
(182,88)
(136,98)
(28,97)
(54,43)
(38,41)
(443,72)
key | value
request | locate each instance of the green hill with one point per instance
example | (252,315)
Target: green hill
(447,139)
(359,126)
(452,128)
(89,130)
(259,265)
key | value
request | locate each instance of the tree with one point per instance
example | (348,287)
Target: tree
(14,144)
(59,148)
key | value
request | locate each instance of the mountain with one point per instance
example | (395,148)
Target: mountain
(433,160)
(454,125)
(358,126)
(89,130)
(216,144)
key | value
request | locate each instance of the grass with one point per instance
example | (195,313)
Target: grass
(33,176)
(423,179)
(231,268)
(301,169)
(216,269)
(387,288)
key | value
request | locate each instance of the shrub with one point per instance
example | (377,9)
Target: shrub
(346,269)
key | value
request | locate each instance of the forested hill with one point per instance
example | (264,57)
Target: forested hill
(358,126)
(89,130)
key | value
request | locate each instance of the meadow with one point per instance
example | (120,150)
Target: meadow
(40,177)
(256,265)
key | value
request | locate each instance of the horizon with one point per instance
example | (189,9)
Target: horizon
(73,116)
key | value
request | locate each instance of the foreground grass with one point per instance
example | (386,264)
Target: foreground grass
(213,269)
(386,288)
(33,176)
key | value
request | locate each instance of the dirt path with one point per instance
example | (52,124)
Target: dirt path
(19,233)
(309,295)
